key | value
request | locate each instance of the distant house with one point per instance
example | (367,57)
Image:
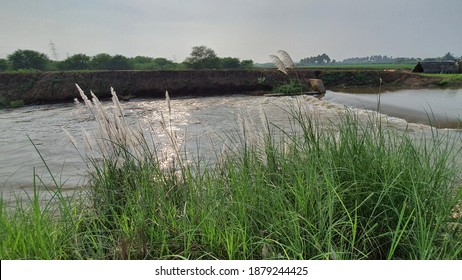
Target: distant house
(438,67)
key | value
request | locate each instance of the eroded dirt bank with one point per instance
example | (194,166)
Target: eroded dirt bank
(52,87)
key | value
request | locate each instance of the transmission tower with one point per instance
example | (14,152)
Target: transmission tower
(54,52)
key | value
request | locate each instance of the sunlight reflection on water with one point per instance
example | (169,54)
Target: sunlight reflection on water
(202,125)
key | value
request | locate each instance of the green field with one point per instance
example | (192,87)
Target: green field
(363,66)
(397,66)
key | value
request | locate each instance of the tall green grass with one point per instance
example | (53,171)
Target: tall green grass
(351,190)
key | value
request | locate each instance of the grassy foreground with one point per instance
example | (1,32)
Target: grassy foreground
(358,191)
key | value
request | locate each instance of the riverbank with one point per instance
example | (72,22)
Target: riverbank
(56,87)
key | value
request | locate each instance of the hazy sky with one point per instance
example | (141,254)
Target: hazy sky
(247,29)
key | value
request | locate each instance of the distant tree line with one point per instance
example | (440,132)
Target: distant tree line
(201,57)
(319,59)
(371,59)
(378,59)
(447,57)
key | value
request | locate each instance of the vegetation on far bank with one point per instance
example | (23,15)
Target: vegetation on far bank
(292,87)
(446,80)
(333,74)
(373,66)
(10,104)
(353,190)
(201,57)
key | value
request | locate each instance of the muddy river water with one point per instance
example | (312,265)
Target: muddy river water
(203,123)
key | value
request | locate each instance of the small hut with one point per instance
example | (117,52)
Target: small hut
(437,67)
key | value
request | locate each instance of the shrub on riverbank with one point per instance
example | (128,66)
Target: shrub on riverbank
(292,87)
(351,191)
(446,80)
(10,104)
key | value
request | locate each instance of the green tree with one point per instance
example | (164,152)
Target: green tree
(230,63)
(164,64)
(28,59)
(319,59)
(202,57)
(75,62)
(448,56)
(141,59)
(143,63)
(246,64)
(3,64)
(104,61)
(325,58)
(100,61)
(119,62)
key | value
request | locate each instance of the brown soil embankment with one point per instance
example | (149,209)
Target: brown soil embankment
(52,87)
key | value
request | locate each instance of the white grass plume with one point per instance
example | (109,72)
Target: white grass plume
(279,64)
(286,59)
(114,140)
(283,62)
(113,135)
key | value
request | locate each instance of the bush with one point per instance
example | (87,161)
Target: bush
(293,87)
(16,103)
(443,83)
(4,103)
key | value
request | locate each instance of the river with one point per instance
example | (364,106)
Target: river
(203,124)
(439,108)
